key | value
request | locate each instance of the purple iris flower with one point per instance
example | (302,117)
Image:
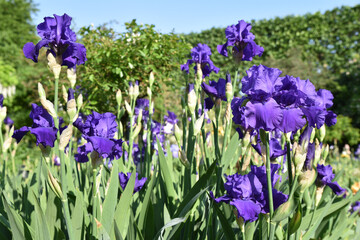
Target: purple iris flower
(174,148)
(56,161)
(275,148)
(57,36)
(8,121)
(280,103)
(43,127)
(137,153)
(71,94)
(170,122)
(355,207)
(242,40)
(248,193)
(142,104)
(201,54)
(99,131)
(124,179)
(325,177)
(1,100)
(215,91)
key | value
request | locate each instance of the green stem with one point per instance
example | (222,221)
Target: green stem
(3,154)
(288,160)
(94,225)
(131,140)
(64,199)
(269,185)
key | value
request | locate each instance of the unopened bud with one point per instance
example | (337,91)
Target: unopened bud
(306,179)
(131,90)
(71,110)
(79,101)
(55,185)
(324,154)
(322,133)
(65,137)
(7,144)
(71,75)
(148,91)
(128,108)
(312,135)
(199,73)
(136,90)
(299,157)
(3,111)
(54,64)
(228,112)
(284,210)
(41,91)
(192,100)
(118,97)
(317,154)
(151,79)
(246,139)
(64,93)
(198,125)
(136,131)
(139,117)
(318,195)
(49,106)
(229,91)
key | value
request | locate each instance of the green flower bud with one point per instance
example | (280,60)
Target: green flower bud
(41,91)
(151,79)
(148,91)
(49,106)
(55,185)
(65,137)
(79,101)
(118,97)
(71,110)
(128,108)
(71,75)
(322,133)
(306,179)
(284,210)
(64,93)
(192,101)
(317,154)
(198,125)
(54,64)
(3,111)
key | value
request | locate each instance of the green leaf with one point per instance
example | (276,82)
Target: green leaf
(172,223)
(78,215)
(194,191)
(16,224)
(169,182)
(123,207)
(109,205)
(145,204)
(228,231)
(295,221)
(42,229)
(229,153)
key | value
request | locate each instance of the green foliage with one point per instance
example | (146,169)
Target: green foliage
(7,75)
(114,59)
(342,132)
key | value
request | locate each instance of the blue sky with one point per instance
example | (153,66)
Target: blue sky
(181,16)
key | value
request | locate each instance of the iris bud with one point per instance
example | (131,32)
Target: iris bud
(284,210)
(41,91)
(128,108)
(65,137)
(317,154)
(2,114)
(192,101)
(151,79)
(136,89)
(49,106)
(71,75)
(306,179)
(118,97)
(54,185)
(198,125)
(325,153)
(312,135)
(71,110)
(131,90)
(299,157)
(79,101)
(148,91)
(318,195)
(322,133)
(64,93)
(178,134)
(54,64)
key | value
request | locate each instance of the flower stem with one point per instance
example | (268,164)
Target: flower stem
(288,160)
(269,183)
(94,225)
